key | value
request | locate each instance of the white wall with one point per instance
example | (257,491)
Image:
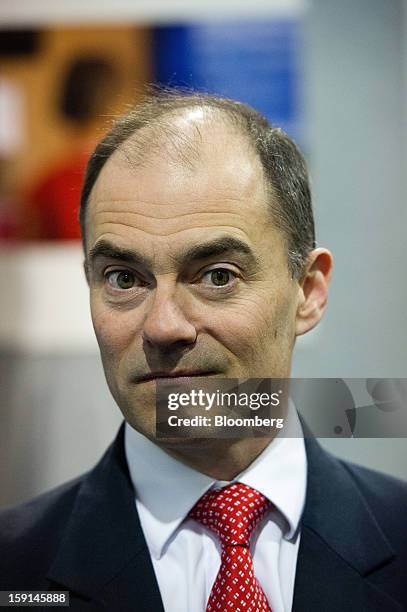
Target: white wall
(117,11)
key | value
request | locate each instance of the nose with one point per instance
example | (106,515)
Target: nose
(166,323)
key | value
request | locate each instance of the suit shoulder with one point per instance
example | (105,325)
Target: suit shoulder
(30,532)
(386,496)
(377,485)
(19,520)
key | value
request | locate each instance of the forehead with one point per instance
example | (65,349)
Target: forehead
(207,179)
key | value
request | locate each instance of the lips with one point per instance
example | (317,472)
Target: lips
(174,374)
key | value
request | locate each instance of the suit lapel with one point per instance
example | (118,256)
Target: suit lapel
(341,543)
(103,557)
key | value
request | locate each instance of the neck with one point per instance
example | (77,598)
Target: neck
(220,459)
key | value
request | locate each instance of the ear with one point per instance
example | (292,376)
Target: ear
(313,290)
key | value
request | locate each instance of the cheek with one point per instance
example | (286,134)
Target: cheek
(112,331)
(256,323)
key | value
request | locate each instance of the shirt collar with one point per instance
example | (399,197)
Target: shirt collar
(167,489)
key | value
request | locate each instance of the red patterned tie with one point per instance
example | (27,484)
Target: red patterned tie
(232,513)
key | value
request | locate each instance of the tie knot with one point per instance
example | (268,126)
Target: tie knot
(231,512)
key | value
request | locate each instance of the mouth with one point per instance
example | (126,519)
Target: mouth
(174,375)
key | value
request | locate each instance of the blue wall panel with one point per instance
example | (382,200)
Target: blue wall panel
(257,63)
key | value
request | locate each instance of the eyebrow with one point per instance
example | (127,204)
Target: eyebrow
(107,250)
(224,245)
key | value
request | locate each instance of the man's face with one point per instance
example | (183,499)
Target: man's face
(188,274)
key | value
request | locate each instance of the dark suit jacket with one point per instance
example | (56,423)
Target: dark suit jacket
(85,537)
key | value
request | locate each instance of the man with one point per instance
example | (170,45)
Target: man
(201,261)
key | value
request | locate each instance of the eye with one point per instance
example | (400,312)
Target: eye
(121,279)
(220,277)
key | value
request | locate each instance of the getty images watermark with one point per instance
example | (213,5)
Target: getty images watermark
(330,407)
(221,408)
(214,401)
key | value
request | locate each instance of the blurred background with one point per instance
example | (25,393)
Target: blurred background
(332,74)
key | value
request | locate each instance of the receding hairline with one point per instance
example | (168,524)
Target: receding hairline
(183,149)
(154,114)
(166,137)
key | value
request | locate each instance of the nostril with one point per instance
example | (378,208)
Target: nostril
(172,338)
(167,324)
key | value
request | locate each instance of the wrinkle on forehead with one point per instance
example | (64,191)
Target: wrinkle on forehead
(163,218)
(169,231)
(166,213)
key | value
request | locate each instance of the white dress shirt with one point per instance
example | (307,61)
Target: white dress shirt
(185,555)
